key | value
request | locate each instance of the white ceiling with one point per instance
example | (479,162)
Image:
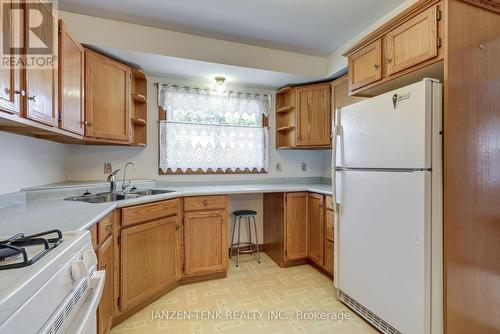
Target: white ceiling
(204,71)
(314,27)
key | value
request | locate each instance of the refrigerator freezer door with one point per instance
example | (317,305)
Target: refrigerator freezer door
(384,244)
(375,134)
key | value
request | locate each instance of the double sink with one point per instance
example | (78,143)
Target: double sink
(118,196)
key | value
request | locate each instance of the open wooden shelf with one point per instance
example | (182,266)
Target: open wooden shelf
(139,121)
(285,109)
(139,98)
(285,129)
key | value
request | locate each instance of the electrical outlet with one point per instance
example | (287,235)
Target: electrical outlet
(304,167)
(108,168)
(278,167)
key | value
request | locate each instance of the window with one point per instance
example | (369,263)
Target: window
(208,133)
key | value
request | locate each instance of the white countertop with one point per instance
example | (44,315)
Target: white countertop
(45,214)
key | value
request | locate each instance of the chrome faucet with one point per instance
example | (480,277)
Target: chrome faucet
(112,181)
(125,186)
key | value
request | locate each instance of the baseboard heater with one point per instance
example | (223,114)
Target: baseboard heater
(368,315)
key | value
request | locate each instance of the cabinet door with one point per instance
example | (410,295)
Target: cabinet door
(316,228)
(71,81)
(296,226)
(314,115)
(365,65)
(329,257)
(10,78)
(413,42)
(105,310)
(41,84)
(150,259)
(329,225)
(205,242)
(107,98)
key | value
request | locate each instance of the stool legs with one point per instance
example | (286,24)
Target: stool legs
(248,220)
(249,231)
(239,233)
(232,238)
(256,238)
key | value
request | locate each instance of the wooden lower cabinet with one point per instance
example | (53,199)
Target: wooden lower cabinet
(205,243)
(295,226)
(328,264)
(150,260)
(105,310)
(316,228)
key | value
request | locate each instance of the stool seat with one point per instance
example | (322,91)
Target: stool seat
(245,213)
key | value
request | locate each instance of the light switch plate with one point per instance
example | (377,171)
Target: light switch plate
(304,167)
(278,167)
(108,168)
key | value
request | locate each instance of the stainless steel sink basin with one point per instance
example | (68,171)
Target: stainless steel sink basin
(102,198)
(148,192)
(108,197)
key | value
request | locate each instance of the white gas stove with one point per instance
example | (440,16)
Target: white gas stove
(49,284)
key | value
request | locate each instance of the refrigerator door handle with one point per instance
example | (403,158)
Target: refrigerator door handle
(336,131)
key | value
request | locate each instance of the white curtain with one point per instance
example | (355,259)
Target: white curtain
(209,131)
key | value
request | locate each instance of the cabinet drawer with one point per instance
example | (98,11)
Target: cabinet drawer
(105,227)
(93,236)
(329,225)
(147,212)
(204,203)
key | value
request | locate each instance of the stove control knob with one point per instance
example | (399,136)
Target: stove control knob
(79,270)
(90,258)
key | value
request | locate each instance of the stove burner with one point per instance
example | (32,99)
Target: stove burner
(15,246)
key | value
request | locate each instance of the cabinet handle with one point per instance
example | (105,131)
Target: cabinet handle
(376,66)
(205,203)
(87,123)
(388,60)
(108,226)
(102,266)
(20,92)
(177,226)
(32,98)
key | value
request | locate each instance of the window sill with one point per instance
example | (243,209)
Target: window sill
(210,171)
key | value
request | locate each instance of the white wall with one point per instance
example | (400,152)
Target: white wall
(87,162)
(28,162)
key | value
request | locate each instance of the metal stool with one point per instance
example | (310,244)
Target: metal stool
(247,214)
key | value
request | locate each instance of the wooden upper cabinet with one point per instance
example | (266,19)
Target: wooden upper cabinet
(107,98)
(11,88)
(413,42)
(205,242)
(407,44)
(41,84)
(150,260)
(365,65)
(340,94)
(71,81)
(314,115)
(295,226)
(105,262)
(316,228)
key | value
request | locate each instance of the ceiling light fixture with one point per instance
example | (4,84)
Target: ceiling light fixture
(220,85)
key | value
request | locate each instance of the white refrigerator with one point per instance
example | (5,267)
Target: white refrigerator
(387,196)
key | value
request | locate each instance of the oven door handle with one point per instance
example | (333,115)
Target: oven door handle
(85,320)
